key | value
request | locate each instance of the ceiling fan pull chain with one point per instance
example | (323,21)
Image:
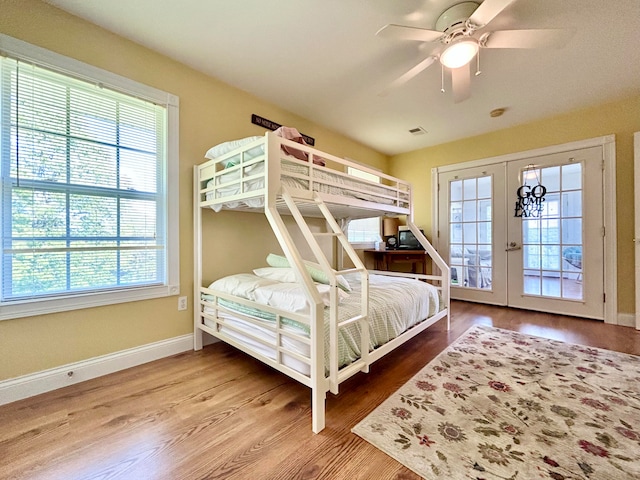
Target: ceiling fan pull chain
(442,78)
(478,72)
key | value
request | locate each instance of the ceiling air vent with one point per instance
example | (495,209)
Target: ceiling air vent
(417,131)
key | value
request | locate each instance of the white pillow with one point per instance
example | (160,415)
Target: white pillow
(286,275)
(314,269)
(241,285)
(291,296)
(226,147)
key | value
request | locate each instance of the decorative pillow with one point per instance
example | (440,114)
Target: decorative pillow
(291,296)
(241,284)
(286,275)
(315,270)
(226,147)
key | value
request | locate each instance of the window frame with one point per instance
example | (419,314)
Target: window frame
(74,68)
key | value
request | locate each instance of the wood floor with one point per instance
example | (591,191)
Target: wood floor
(218,414)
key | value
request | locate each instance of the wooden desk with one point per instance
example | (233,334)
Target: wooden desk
(385,259)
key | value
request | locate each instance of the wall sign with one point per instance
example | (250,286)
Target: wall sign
(268,124)
(530,199)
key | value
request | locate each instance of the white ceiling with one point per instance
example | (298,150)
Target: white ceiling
(320,59)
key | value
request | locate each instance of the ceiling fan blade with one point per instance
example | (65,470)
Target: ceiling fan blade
(409,75)
(461,83)
(402,32)
(487,11)
(526,38)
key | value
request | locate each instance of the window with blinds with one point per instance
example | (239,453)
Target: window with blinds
(84,187)
(364,231)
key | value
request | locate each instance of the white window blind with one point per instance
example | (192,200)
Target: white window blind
(84,187)
(364,231)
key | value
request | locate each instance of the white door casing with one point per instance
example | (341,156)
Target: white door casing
(636,240)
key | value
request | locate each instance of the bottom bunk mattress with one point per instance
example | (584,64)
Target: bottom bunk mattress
(395,305)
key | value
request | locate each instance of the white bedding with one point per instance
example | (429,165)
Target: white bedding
(324,182)
(395,305)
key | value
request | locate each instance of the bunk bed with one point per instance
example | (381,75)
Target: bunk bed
(316,324)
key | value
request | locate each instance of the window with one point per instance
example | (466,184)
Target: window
(364,232)
(86,159)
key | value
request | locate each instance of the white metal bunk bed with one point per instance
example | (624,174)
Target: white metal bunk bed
(305,345)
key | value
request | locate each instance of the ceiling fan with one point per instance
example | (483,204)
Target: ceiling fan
(461,33)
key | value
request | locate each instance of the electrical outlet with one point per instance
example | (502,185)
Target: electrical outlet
(182,303)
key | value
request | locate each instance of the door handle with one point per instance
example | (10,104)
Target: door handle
(512,246)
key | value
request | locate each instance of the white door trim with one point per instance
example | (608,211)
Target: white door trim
(508,157)
(611,231)
(608,145)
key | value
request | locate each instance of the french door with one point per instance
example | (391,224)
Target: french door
(472,229)
(552,260)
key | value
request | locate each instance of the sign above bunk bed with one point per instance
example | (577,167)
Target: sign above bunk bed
(263,122)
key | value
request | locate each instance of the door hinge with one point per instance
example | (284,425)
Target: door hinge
(604,233)
(604,298)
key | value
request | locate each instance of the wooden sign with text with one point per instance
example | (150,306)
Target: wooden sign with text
(263,122)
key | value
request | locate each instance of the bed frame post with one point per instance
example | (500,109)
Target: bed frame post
(197,259)
(318,398)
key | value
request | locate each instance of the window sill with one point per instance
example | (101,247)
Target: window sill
(11,310)
(363,245)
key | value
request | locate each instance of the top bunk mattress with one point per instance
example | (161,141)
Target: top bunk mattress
(237,177)
(297,175)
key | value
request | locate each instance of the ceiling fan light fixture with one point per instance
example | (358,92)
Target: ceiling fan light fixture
(459,53)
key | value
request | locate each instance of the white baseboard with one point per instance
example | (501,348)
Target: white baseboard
(32,384)
(626,319)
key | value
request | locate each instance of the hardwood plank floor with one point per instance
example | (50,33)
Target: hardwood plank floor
(219,414)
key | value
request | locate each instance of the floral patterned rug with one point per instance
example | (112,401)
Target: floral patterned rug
(500,405)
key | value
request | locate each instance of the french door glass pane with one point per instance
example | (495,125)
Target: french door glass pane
(484,232)
(469,211)
(572,176)
(484,187)
(470,189)
(552,243)
(470,216)
(532,282)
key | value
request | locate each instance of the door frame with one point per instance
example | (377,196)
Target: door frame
(608,145)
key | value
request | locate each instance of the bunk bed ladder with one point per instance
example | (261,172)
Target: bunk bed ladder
(363,363)
(335,231)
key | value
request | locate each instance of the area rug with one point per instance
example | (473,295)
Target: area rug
(501,405)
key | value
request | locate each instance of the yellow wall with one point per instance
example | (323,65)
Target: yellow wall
(621,118)
(210,112)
